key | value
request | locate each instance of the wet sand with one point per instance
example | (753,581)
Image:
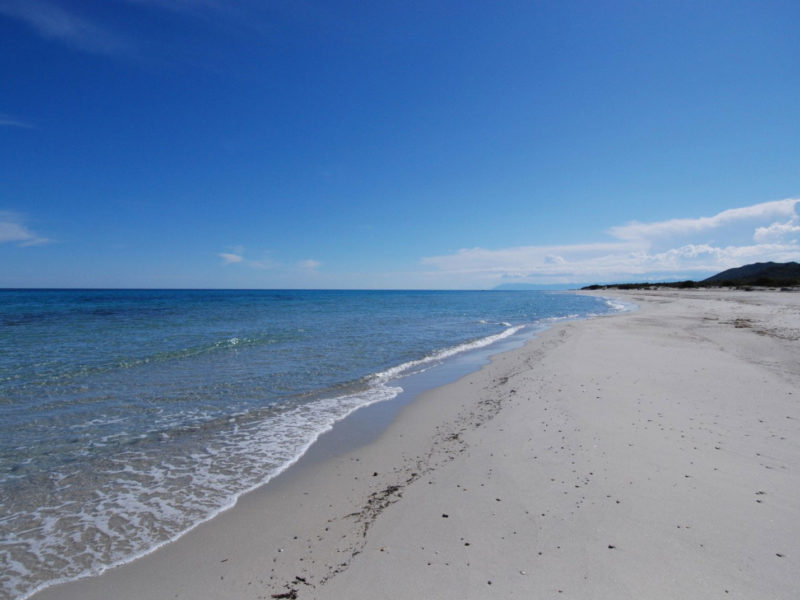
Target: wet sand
(653,454)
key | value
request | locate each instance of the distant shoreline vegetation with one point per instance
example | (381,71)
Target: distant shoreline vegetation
(768,274)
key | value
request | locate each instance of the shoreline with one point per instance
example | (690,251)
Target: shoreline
(487,452)
(361,425)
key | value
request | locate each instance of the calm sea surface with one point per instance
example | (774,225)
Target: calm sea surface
(127,417)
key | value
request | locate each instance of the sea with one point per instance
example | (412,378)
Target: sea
(128,417)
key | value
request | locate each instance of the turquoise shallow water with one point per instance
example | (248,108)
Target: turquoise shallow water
(128,416)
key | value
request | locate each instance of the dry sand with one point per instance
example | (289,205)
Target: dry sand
(654,454)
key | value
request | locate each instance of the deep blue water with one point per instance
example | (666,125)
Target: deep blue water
(128,416)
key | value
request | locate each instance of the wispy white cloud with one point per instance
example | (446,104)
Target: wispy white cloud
(14,230)
(673,227)
(9,121)
(646,250)
(309,264)
(236,255)
(229,258)
(54,22)
(523,259)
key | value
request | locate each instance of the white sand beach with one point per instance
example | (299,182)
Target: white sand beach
(654,454)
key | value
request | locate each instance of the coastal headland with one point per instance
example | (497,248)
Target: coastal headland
(652,454)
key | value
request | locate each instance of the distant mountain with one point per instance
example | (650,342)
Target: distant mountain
(767,273)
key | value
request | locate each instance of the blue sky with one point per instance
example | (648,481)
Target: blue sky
(260,144)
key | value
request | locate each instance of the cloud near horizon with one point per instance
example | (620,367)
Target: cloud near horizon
(309,264)
(676,248)
(237,256)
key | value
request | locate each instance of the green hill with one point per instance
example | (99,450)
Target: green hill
(768,273)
